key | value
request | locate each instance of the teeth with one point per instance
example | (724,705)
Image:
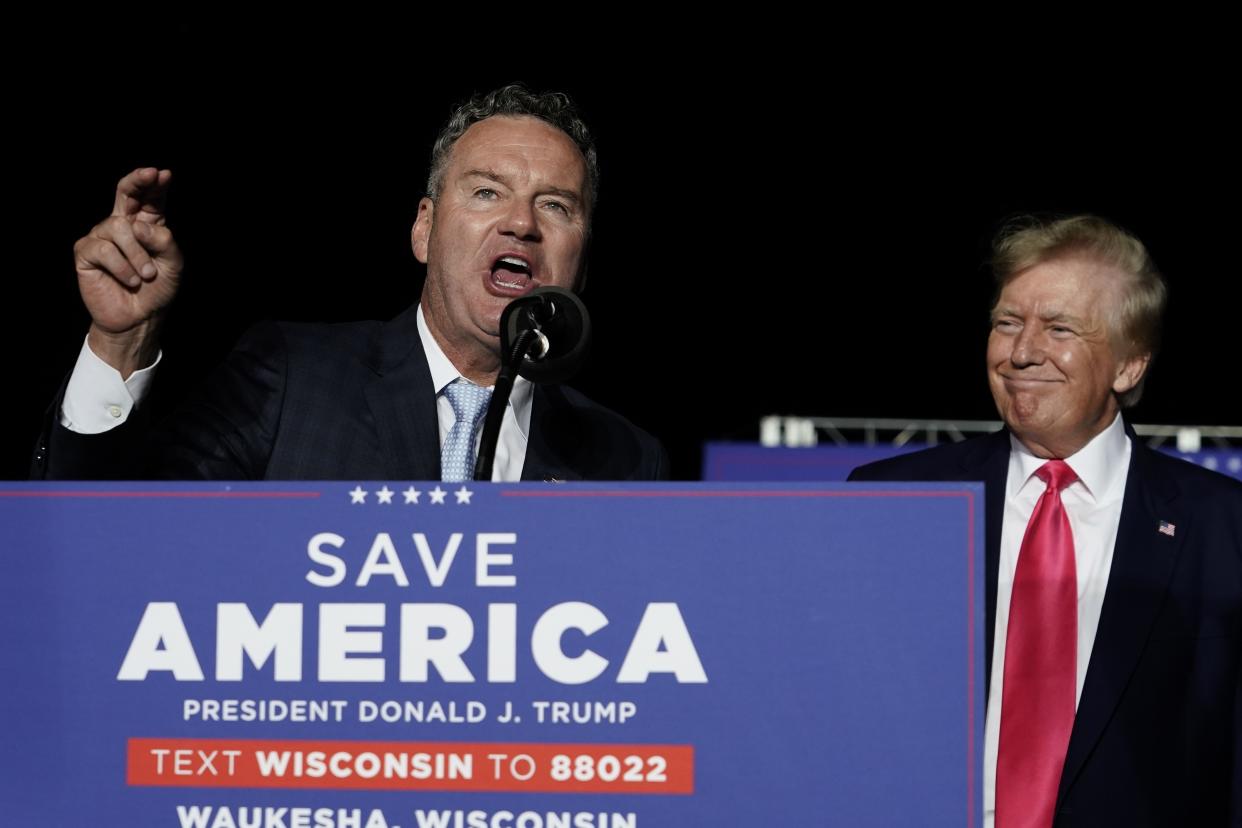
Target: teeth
(514,260)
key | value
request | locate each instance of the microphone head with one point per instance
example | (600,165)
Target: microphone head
(563,335)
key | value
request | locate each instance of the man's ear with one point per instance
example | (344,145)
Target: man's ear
(421,232)
(1130,372)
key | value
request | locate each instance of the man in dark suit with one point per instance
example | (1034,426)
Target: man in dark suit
(508,206)
(1114,588)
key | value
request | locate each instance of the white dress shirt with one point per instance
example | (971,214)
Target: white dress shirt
(98,400)
(511,446)
(1093,505)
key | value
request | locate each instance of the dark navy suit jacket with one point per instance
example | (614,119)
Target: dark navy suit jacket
(336,402)
(1157,739)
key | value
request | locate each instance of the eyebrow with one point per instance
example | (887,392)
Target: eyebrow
(1075,321)
(493,175)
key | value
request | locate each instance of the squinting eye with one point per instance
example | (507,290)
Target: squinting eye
(556,205)
(1005,325)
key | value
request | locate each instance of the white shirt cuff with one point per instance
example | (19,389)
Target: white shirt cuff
(97,399)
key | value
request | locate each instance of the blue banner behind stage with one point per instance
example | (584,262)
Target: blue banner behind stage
(737,462)
(516,656)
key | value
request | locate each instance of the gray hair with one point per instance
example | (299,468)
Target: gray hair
(1135,323)
(515,100)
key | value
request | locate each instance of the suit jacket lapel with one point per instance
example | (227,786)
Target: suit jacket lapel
(549,428)
(403,402)
(990,463)
(1143,563)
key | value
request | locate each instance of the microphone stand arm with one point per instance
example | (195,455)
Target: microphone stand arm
(500,401)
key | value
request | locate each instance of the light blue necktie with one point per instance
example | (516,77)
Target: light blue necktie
(469,403)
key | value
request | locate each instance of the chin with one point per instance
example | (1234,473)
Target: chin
(489,321)
(1020,420)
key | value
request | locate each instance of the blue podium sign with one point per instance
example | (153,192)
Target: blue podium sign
(511,656)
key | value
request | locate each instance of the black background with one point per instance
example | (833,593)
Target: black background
(790,224)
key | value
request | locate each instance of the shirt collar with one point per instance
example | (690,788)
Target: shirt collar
(444,372)
(1100,465)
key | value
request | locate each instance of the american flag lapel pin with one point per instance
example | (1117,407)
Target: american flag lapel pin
(1166,528)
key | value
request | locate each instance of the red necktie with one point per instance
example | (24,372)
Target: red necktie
(1041,648)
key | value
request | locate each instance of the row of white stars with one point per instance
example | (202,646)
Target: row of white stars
(411,495)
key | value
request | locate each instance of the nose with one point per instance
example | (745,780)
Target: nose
(520,221)
(1028,348)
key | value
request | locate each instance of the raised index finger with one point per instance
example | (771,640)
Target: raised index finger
(140,195)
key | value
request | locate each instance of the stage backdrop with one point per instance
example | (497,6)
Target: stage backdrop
(749,461)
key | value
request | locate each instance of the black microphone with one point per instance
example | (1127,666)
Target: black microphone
(544,336)
(560,334)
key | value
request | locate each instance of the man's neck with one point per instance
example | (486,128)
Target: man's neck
(1059,446)
(480,367)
